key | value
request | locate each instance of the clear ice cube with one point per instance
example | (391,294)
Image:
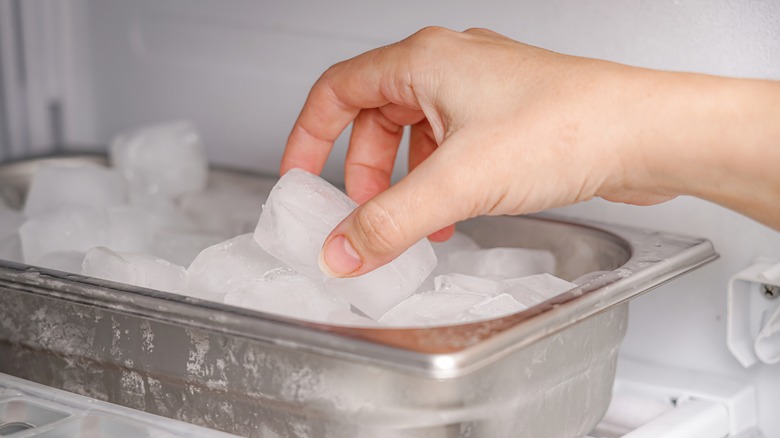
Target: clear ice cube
(10,221)
(56,186)
(501,263)
(285,292)
(458,242)
(11,248)
(301,211)
(234,265)
(181,246)
(430,308)
(466,283)
(68,229)
(134,269)
(535,289)
(165,160)
(66,261)
(491,308)
(230,211)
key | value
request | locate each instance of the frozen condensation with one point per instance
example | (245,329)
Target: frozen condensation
(501,263)
(301,211)
(69,229)
(162,160)
(135,269)
(55,186)
(238,264)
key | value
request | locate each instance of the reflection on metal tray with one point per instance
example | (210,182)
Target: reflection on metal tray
(546,371)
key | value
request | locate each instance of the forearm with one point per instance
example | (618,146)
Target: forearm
(714,138)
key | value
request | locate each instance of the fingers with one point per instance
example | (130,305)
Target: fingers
(421,145)
(373,146)
(370,80)
(378,231)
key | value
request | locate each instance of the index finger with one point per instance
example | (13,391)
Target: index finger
(370,80)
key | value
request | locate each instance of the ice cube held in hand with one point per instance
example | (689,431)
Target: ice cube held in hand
(501,263)
(535,289)
(55,186)
(301,211)
(282,291)
(430,308)
(458,242)
(165,160)
(135,269)
(68,229)
(235,265)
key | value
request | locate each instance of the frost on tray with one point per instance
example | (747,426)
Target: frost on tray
(297,217)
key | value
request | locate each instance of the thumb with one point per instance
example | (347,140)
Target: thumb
(381,229)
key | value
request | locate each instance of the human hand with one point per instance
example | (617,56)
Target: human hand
(498,127)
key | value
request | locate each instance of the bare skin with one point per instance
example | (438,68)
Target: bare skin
(499,127)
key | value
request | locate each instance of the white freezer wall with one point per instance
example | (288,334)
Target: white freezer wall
(241,70)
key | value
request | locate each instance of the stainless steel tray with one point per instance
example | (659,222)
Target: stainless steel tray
(544,372)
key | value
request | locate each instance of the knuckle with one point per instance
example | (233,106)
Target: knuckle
(376,230)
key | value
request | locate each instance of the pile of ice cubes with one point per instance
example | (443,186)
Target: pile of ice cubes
(154,219)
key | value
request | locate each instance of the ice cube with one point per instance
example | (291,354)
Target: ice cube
(10,221)
(68,229)
(161,160)
(297,217)
(11,248)
(501,263)
(430,308)
(458,242)
(130,229)
(181,246)
(535,289)
(55,186)
(66,261)
(491,308)
(466,283)
(135,269)
(237,264)
(231,211)
(285,292)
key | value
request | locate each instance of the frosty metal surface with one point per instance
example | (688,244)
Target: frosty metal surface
(242,371)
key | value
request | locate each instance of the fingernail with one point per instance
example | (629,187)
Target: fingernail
(339,258)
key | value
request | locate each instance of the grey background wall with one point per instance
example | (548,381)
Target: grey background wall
(241,70)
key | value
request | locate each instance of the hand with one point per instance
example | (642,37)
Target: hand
(497,127)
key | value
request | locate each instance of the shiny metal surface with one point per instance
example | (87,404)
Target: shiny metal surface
(239,370)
